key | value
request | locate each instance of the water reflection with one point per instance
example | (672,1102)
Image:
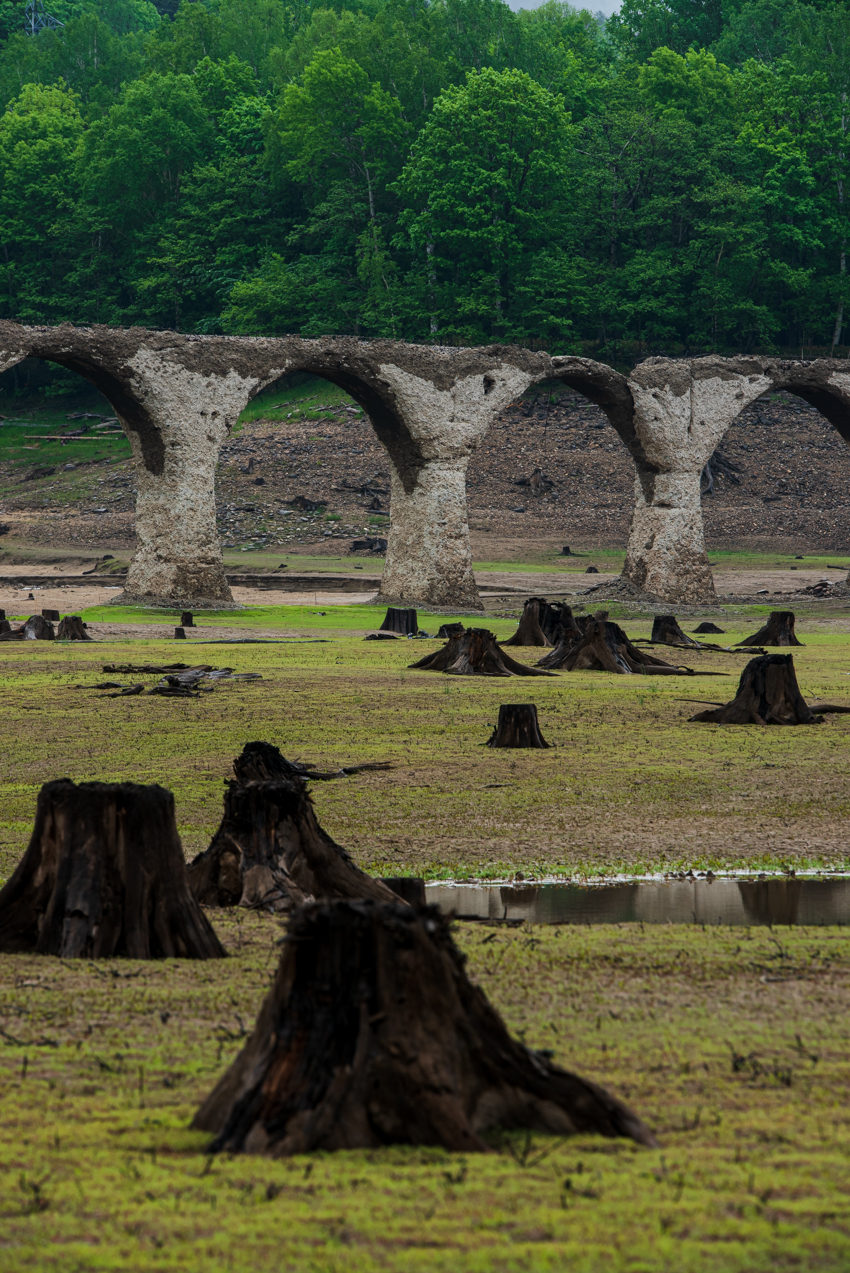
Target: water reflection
(738,902)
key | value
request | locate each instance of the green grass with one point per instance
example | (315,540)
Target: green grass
(731,1044)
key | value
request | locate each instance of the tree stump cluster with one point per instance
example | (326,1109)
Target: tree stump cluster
(474,652)
(269,851)
(404,621)
(604,647)
(372,1034)
(517,727)
(778,631)
(768,694)
(104,875)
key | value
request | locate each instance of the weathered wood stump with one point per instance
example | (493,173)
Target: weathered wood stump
(449,630)
(666,631)
(51,615)
(187,619)
(474,652)
(517,727)
(604,647)
(5,625)
(779,630)
(404,621)
(2,613)
(72,629)
(768,694)
(104,875)
(179,634)
(37,628)
(529,631)
(557,620)
(373,1034)
(270,853)
(263,762)
(709,627)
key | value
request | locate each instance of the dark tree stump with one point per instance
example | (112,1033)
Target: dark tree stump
(270,853)
(604,647)
(5,625)
(529,631)
(449,630)
(474,653)
(104,875)
(187,619)
(2,613)
(779,630)
(71,629)
(557,620)
(408,887)
(179,634)
(592,570)
(403,621)
(51,615)
(37,628)
(666,631)
(372,1034)
(710,627)
(517,727)
(263,762)
(768,694)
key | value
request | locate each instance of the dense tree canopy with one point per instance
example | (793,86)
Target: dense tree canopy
(671,180)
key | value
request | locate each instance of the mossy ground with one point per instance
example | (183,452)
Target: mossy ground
(732,1044)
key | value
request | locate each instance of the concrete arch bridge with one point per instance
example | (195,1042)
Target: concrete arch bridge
(178,398)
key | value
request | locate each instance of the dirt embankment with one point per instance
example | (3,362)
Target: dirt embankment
(782,484)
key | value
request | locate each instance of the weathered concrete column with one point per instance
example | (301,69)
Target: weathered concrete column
(681,412)
(439,420)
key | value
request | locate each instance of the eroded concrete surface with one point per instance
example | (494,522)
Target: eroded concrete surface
(178,397)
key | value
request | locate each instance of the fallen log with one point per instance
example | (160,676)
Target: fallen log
(768,694)
(474,652)
(104,875)
(778,631)
(517,727)
(604,647)
(372,1034)
(270,853)
(529,631)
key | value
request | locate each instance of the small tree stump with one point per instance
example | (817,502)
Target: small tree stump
(104,875)
(529,631)
(666,631)
(71,629)
(768,694)
(37,628)
(403,621)
(179,634)
(474,652)
(449,630)
(5,625)
(52,615)
(270,852)
(372,1034)
(779,630)
(2,613)
(517,727)
(604,647)
(187,619)
(710,627)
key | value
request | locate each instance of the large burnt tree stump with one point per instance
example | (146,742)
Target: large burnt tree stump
(779,630)
(517,727)
(604,647)
(404,621)
(372,1034)
(666,631)
(529,631)
(474,652)
(270,853)
(768,694)
(104,875)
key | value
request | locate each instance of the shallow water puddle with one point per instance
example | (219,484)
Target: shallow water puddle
(699,901)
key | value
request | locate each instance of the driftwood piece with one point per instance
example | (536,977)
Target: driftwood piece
(517,727)
(709,627)
(768,694)
(403,621)
(666,631)
(270,853)
(474,653)
(104,875)
(529,631)
(373,1034)
(72,628)
(604,647)
(380,636)
(778,631)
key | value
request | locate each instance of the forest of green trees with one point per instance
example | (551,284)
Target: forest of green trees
(670,181)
